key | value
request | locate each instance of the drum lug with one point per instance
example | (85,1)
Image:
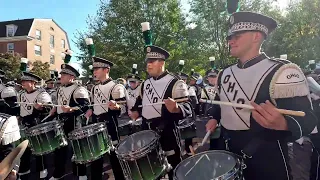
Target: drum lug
(243,166)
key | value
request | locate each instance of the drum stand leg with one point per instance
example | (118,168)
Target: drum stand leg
(138,169)
(150,165)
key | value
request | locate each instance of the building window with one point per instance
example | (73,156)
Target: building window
(10,31)
(37,50)
(51,59)
(63,43)
(38,35)
(10,47)
(52,41)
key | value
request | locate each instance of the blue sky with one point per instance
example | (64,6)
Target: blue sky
(71,15)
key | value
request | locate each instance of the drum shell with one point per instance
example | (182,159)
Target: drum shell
(45,138)
(187,129)
(146,163)
(89,144)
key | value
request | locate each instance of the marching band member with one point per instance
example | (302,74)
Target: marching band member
(260,135)
(31,115)
(162,86)
(194,101)
(132,90)
(8,95)
(75,101)
(107,91)
(50,88)
(197,89)
(6,139)
(208,93)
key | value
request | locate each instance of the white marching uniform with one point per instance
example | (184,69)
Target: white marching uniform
(284,85)
(101,94)
(39,96)
(132,95)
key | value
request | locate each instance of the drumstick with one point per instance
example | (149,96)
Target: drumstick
(45,118)
(158,103)
(246,106)
(118,102)
(205,138)
(191,150)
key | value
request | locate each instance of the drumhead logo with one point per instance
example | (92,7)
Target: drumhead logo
(292,75)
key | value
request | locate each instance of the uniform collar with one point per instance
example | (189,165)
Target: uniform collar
(68,85)
(106,81)
(31,91)
(252,61)
(161,76)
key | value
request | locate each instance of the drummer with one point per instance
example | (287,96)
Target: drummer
(9,96)
(194,101)
(162,86)
(50,88)
(132,90)
(5,149)
(107,91)
(193,85)
(75,101)
(30,115)
(261,135)
(208,93)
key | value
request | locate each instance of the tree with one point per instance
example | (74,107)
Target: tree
(41,69)
(299,33)
(211,20)
(116,31)
(10,64)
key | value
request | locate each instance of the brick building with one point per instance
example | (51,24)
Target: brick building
(35,39)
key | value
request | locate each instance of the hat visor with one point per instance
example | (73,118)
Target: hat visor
(153,59)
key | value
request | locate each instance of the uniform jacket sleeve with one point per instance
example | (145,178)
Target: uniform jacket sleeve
(289,90)
(81,96)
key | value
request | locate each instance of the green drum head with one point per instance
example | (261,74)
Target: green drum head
(43,127)
(136,142)
(207,166)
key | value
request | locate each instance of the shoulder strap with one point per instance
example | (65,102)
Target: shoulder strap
(206,93)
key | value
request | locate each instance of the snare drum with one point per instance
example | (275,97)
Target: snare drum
(124,127)
(46,137)
(187,128)
(89,143)
(210,165)
(141,156)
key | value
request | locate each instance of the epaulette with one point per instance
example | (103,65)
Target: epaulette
(280,61)
(174,75)
(41,89)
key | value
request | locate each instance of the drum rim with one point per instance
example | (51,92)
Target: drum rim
(187,125)
(125,124)
(140,152)
(86,131)
(238,159)
(33,131)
